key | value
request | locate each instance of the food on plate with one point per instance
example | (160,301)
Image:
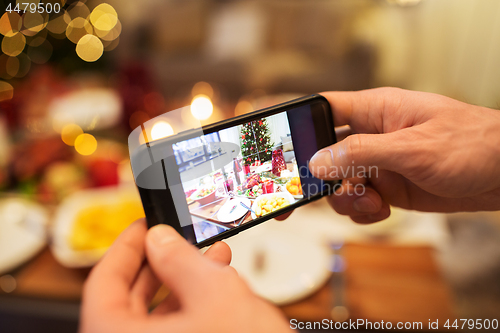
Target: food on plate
(189,192)
(252,181)
(294,187)
(268,204)
(97,226)
(252,192)
(204,192)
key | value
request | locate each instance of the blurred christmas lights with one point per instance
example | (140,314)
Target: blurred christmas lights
(25,35)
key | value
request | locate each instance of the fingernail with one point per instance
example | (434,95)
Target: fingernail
(364,205)
(322,157)
(162,234)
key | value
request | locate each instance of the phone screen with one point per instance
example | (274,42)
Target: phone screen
(238,174)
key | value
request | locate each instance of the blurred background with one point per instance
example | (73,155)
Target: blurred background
(76,77)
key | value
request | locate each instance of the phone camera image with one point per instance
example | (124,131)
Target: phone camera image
(260,176)
(210,182)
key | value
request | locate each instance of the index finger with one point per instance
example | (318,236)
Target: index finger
(111,279)
(363,110)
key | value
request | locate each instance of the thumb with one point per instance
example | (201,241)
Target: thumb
(357,154)
(175,262)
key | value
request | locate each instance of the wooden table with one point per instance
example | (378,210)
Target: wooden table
(383,282)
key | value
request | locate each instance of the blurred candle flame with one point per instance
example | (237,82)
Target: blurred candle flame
(161,129)
(202,107)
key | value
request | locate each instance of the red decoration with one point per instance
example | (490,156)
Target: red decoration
(278,163)
(243,136)
(260,139)
(260,122)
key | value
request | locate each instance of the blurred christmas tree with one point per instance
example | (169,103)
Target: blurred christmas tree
(256,142)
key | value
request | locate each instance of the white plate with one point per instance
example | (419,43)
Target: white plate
(292,267)
(22,232)
(224,214)
(65,218)
(285,195)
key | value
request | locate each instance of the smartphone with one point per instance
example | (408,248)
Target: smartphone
(226,177)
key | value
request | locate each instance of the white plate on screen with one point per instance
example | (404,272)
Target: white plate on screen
(281,267)
(22,232)
(227,214)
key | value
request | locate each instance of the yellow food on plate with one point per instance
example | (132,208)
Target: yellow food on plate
(268,204)
(97,226)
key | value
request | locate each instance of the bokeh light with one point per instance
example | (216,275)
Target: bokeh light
(85,144)
(24,65)
(89,48)
(160,130)
(33,23)
(3,67)
(104,17)
(78,9)
(110,35)
(243,107)
(111,45)
(59,23)
(202,88)
(38,39)
(201,107)
(137,118)
(6,91)
(20,2)
(12,66)
(78,28)
(10,24)
(14,45)
(69,133)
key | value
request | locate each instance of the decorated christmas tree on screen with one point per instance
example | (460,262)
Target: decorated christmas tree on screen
(256,142)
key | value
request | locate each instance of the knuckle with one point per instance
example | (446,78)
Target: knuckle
(353,147)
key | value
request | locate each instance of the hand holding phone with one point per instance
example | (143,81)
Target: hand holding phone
(212,182)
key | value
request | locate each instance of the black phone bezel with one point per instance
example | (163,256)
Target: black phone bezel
(158,204)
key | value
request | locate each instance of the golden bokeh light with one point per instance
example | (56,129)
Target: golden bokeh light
(243,107)
(78,9)
(202,107)
(6,91)
(85,144)
(12,66)
(104,17)
(160,130)
(38,39)
(89,48)
(40,54)
(111,34)
(24,65)
(3,67)
(202,88)
(10,24)
(110,46)
(14,45)
(78,28)
(59,23)
(34,23)
(69,133)
(20,3)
